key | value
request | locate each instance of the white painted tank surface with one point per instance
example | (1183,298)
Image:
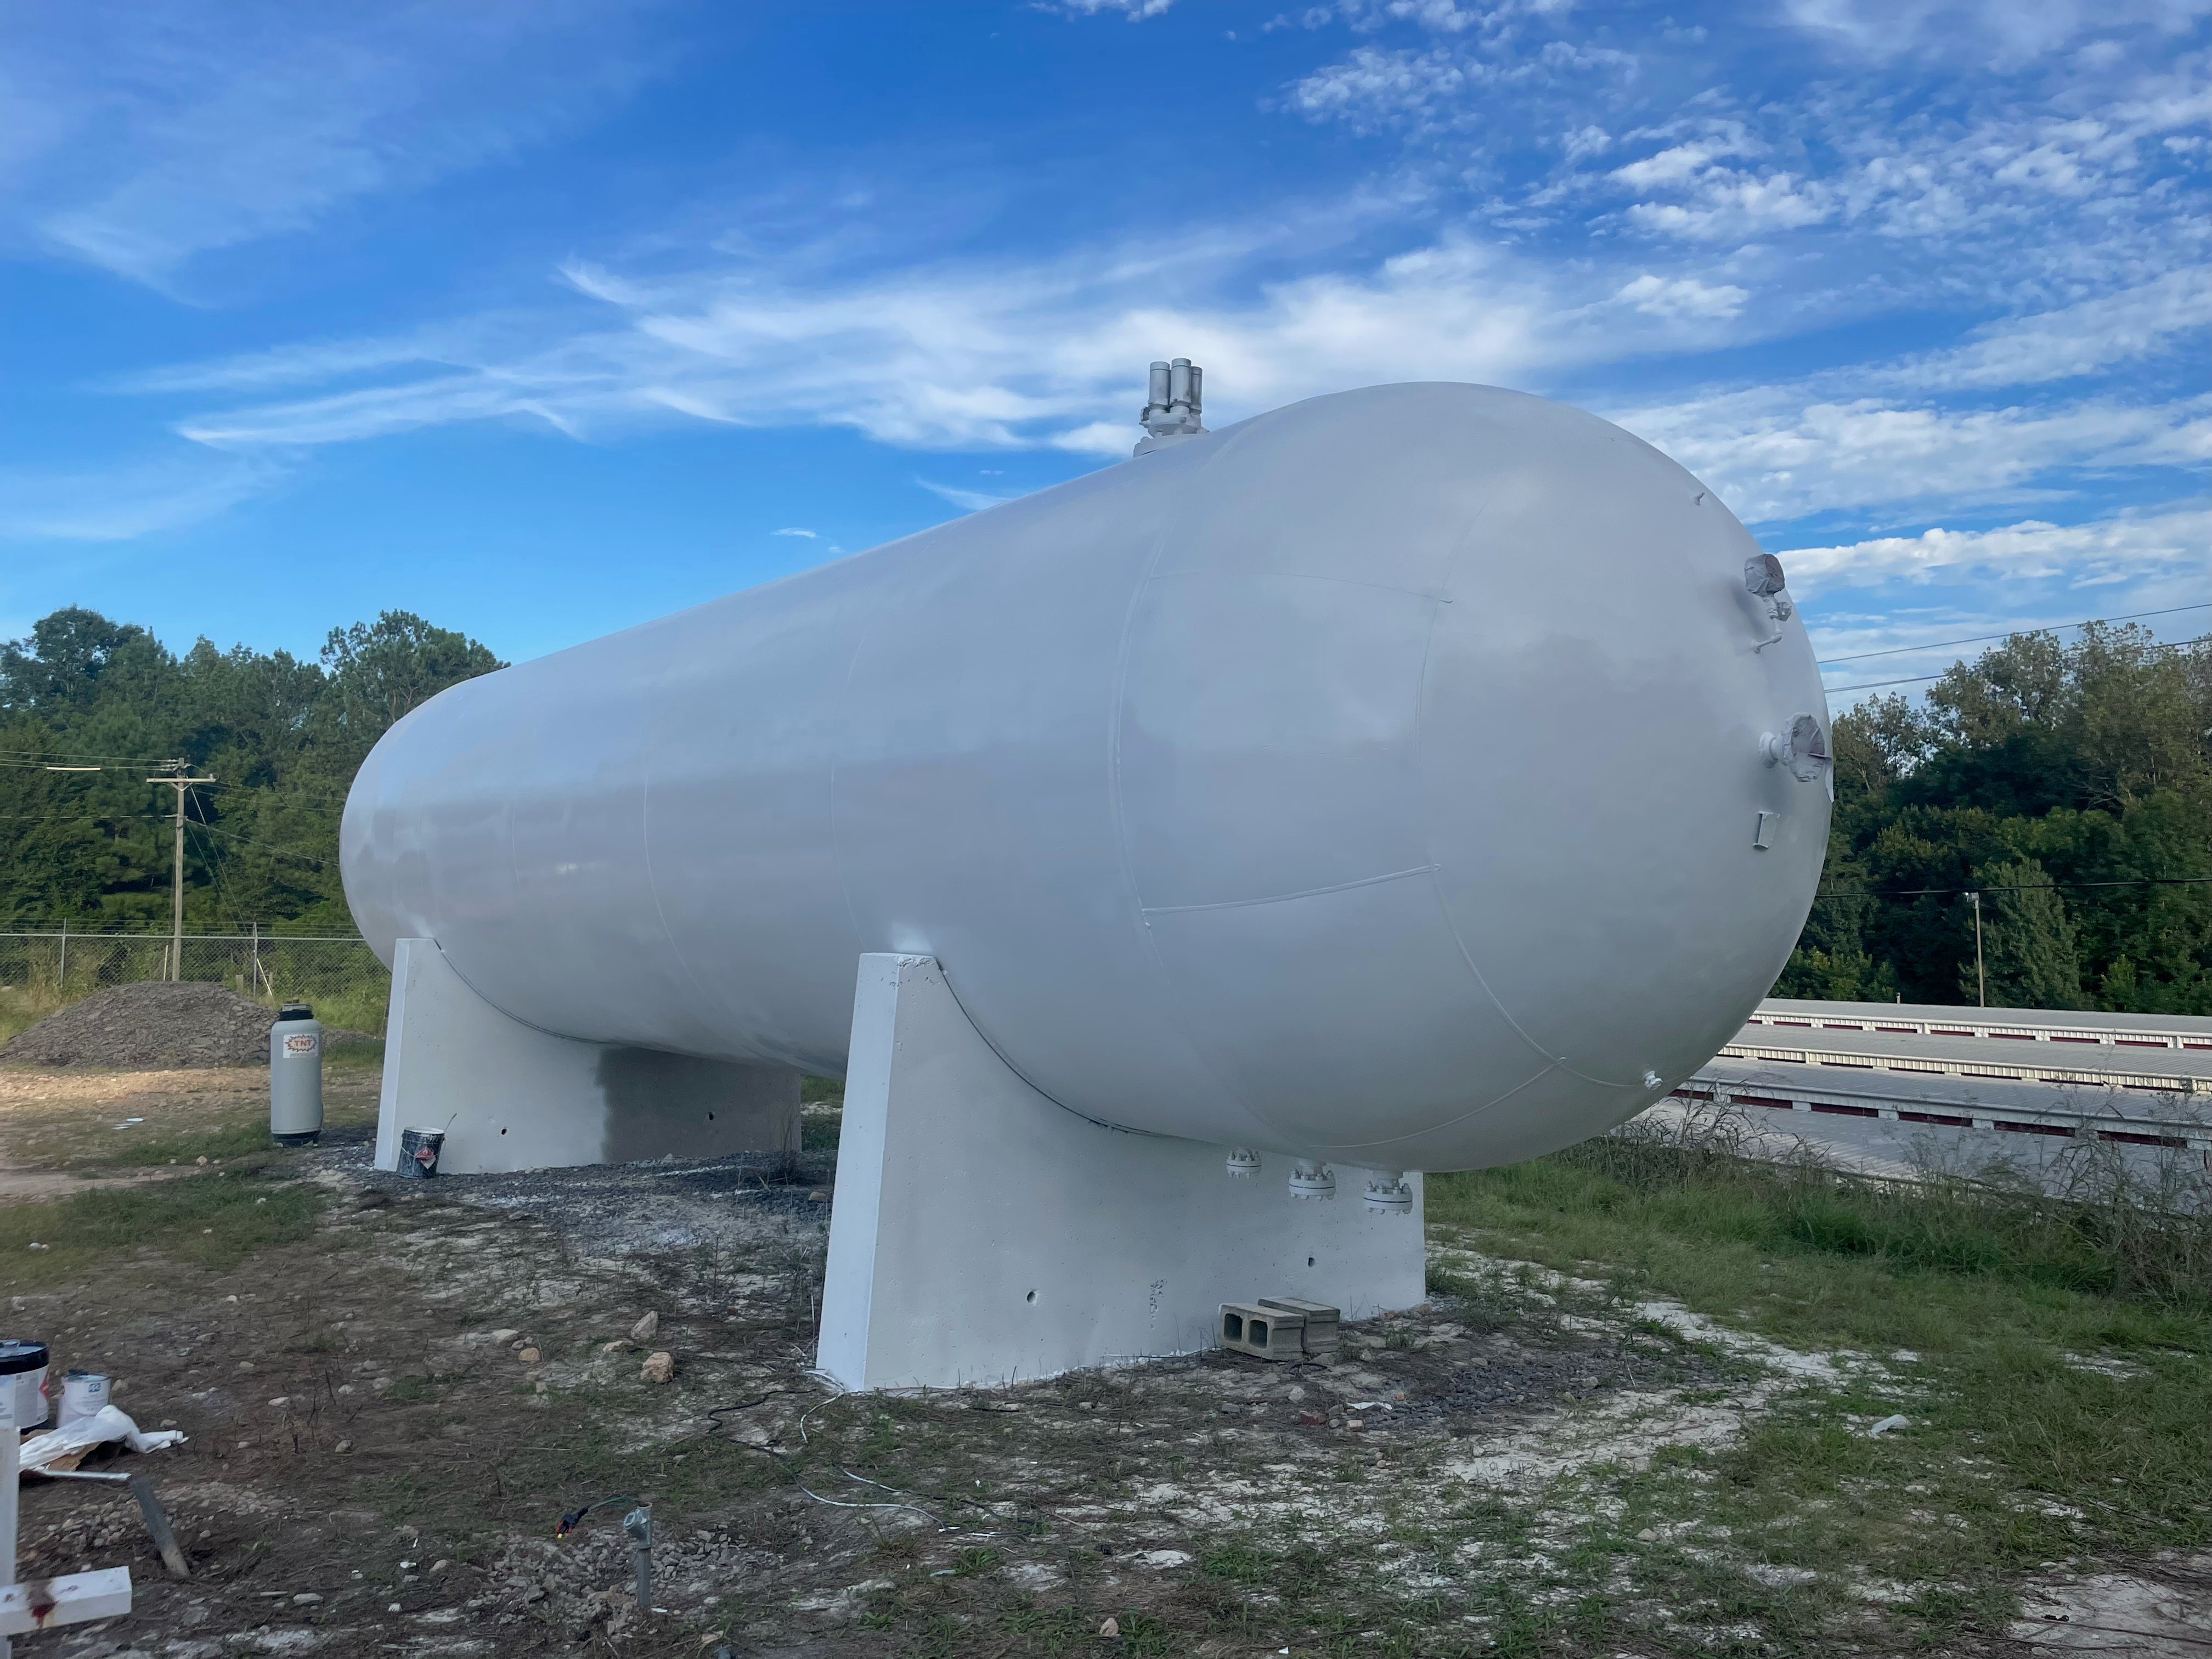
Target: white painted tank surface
(1381,779)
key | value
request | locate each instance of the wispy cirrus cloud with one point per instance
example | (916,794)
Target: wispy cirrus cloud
(968,501)
(2130,544)
(969,355)
(1889,612)
(2089,338)
(2016,31)
(147,133)
(1136,10)
(1626,217)
(1777,454)
(130,499)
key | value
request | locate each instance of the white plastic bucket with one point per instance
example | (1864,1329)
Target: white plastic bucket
(84,1394)
(24,1365)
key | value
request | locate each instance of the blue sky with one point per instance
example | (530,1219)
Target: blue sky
(542,317)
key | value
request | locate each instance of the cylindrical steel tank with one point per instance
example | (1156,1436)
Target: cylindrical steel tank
(1386,778)
(295,1076)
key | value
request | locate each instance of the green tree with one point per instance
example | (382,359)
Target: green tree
(282,739)
(2027,942)
(2091,763)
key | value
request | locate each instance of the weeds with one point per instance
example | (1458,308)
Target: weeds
(2111,1234)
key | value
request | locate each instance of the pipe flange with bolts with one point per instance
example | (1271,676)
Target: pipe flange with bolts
(1390,1194)
(1314,1180)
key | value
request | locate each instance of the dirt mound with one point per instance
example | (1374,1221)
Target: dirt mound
(153,1024)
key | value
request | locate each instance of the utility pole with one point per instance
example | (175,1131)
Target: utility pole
(180,781)
(1981,979)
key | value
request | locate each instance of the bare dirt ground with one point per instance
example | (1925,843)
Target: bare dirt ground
(394,1389)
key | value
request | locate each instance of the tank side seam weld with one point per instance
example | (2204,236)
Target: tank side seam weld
(1552,1061)
(1352,1149)
(1285,898)
(945,974)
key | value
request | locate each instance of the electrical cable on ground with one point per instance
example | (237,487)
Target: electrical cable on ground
(575,1518)
(786,1465)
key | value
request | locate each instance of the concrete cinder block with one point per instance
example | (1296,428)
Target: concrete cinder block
(1319,1327)
(1264,1333)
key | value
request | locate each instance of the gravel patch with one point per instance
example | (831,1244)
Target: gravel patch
(153,1024)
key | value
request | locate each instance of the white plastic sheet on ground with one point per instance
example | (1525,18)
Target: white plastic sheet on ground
(105,1424)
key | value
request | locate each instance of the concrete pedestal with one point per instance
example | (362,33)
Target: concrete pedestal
(511,1097)
(983,1234)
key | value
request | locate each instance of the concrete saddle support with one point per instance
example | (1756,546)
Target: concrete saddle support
(508,1095)
(983,1234)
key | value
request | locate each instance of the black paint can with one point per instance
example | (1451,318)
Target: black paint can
(419,1152)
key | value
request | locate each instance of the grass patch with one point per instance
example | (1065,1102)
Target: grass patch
(243,1136)
(89,1137)
(210,1220)
(2050,1354)
(354,1058)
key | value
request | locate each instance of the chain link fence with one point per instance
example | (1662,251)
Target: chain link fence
(42,970)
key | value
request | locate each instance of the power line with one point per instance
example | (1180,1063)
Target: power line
(316,859)
(1915,679)
(121,760)
(2015,887)
(1979,638)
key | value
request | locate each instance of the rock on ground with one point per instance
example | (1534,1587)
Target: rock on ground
(153,1024)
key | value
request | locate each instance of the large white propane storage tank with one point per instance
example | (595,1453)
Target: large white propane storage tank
(1425,777)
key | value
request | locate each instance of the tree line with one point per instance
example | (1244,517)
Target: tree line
(2071,787)
(2070,784)
(281,737)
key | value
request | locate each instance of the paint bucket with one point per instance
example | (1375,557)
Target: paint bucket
(419,1152)
(84,1394)
(23,1367)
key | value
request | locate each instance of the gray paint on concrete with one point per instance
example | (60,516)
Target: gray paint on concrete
(510,1096)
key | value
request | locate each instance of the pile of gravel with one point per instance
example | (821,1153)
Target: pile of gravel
(152,1026)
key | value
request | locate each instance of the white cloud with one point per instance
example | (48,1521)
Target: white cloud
(968,501)
(1371,90)
(1773,455)
(1136,10)
(152,130)
(2033,550)
(1681,296)
(2014,30)
(794,531)
(1680,162)
(2085,338)
(975,356)
(131,500)
(1727,205)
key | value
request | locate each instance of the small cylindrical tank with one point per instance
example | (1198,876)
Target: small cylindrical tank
(295,1076)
